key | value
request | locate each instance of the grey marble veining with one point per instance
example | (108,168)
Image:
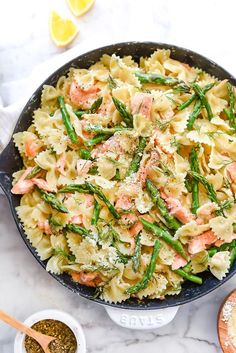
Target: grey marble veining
(206,27)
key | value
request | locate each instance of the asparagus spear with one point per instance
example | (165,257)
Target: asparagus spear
(75,228)
(166,236)
(122,109)
(232,256)
(105,130)
(194,97)
(188,276)
(134,166)
(96,105)
(93,170)
(137,253)
(84,154)
(195,184)
(96,213)
(94,108)
(111,82)
(158,79)
(123,258)
(199,92)
(95,140)
(171,222)
(59,251)
(226,246)
(143,283)
(230,112)
(117,175)
(96,190)
(52,201)
(75,187)
(80,113)
(193,116)
(34,172)
(66,120)
(208,187)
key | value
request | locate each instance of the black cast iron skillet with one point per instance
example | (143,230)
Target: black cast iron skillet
(10,162)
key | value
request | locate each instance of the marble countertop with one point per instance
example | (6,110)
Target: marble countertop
(207,28)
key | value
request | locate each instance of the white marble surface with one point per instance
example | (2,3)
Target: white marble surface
(204,26)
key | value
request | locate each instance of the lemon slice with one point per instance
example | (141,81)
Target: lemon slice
(80,7)
(62,30)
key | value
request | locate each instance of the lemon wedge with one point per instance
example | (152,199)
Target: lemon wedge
(80,7)
(63,31)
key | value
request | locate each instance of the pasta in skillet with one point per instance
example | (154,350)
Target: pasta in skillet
(129,176)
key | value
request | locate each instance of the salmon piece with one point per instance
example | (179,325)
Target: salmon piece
(23,186)
(83,166)
(31,146)
(231,169)
(42,184)
(107,108)
(141,103)
(76,219)
(105,147)
(128,219)
(199,221)
(123,202)
(86,134)
(206,211)
(135,229)
(142,175)
(60,165)
(177,210)
(89,279)
(179,261)
(81,97)
(219,242)
(45,227)
(89,200)
(201,242)
(143,172)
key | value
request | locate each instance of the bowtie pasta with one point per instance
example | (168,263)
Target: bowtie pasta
(129,176)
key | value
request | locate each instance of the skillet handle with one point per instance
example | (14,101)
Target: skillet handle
(142,319)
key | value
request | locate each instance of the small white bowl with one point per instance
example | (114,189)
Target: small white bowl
(54,315)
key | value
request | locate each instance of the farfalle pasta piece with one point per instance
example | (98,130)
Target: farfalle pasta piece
(156,287)
(217,97)
(49,98)
(44,248)
(115,290)
(219,264)
(34,235)
(143,202)
(200,261)
(56,264)
(155,61)
(190,230)
(222,227)
(218,160)
(142,125)
(182,71)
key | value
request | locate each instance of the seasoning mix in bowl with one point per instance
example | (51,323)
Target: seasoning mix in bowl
(65,339)
(66,329)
